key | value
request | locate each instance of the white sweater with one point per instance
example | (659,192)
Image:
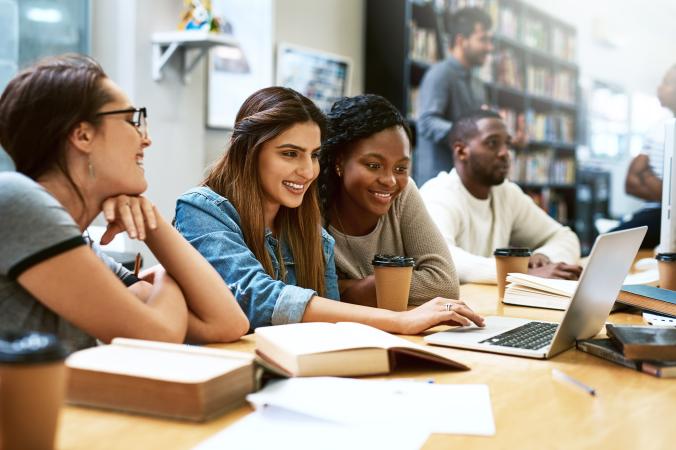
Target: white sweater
(473,228)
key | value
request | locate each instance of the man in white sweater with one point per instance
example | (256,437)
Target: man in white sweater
(478,210)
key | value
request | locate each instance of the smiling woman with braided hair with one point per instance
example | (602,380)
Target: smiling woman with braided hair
(370,205)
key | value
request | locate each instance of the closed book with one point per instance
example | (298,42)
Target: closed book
(649,298)
(644,342)
(169,380)
(340,349)
(604,348)
(662,369)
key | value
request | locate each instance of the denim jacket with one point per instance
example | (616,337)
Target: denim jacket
(212,225)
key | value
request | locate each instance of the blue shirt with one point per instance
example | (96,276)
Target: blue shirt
(212,225)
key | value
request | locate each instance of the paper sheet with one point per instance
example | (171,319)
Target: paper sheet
(280,429)
(436,408)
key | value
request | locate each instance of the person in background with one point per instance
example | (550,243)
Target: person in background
(478,210)
(644,176)
(450,89)
(371,206)
(78,145)
(256,219)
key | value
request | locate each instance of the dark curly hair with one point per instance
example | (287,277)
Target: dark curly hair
(351,119)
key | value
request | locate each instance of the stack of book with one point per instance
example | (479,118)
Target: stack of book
(648,349)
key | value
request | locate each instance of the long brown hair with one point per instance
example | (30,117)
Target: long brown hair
(264,115)
(42,105)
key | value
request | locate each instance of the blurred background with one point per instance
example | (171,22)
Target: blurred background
(582,75)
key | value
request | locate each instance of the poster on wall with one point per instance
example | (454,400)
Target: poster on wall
(237,71)
(321,76)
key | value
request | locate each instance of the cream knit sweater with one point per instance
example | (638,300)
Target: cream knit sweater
(473,228)
(408,230)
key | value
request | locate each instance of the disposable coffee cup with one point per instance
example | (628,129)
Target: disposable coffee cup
(666,265)
(507,260)
(393,280)
(32,387)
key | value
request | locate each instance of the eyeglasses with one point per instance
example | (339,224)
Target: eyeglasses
(139,118)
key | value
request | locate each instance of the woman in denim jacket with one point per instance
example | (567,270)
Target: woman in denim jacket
(256,219)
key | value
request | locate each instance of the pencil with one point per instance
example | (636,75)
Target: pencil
(137,264)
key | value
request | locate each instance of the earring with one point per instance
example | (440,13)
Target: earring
(90,166)
(340,174)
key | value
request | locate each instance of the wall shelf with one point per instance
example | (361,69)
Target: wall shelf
(166,44)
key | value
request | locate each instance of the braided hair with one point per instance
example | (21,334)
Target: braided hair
(351,119)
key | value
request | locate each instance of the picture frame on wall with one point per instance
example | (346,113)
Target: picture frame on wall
(321,76)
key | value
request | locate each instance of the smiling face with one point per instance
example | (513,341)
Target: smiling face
(117,151)
(486,154)
(374,170)
(287,166)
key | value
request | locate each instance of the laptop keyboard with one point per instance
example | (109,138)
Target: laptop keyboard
(532,336)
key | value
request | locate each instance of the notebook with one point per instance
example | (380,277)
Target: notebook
(609,261)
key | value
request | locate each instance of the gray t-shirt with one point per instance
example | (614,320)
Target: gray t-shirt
(34,227)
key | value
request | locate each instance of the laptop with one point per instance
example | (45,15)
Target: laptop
(609,262)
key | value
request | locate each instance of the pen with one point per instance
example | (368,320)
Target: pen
(137,264)
(556,373)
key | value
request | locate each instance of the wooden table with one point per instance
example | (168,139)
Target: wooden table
(531,409)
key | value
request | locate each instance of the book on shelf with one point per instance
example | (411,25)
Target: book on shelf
(169,380)
(563,44)
(423,43)
(340,349)
(644,342)
(539,292)
(606,349)
(649,298)
(508,23)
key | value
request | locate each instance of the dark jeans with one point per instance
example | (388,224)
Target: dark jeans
(651,217)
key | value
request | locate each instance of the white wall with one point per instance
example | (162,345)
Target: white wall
(121,41)
(182,146)
(335,26)
(641,46)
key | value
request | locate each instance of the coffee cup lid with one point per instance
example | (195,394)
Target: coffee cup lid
(393,261)
(512,251)
(666,257)
(30,347)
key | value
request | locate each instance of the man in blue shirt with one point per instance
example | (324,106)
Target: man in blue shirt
(449,90)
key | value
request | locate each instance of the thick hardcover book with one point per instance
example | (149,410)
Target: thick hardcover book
(169,380)
(604,348)
(662,369)
(340,349)
(649,298)
(644,342)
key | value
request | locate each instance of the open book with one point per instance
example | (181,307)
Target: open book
(170,380)
(339,349)
(530,290)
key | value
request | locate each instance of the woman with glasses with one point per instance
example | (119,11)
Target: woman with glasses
(78,145)
(256,220)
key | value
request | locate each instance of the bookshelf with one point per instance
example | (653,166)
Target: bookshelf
(531,78)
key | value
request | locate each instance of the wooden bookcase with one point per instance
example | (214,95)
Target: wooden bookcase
(531,76)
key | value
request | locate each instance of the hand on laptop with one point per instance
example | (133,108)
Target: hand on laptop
(435,312)
(556,270)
